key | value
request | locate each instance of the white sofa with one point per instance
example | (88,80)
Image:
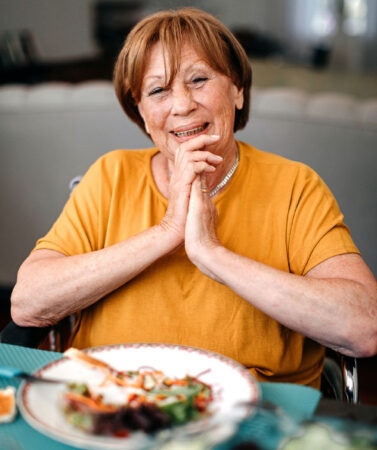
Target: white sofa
(51,132)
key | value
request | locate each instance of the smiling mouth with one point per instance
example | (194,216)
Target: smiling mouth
(191,132)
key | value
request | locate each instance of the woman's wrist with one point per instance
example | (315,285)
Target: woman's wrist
(170,234)
(206,258)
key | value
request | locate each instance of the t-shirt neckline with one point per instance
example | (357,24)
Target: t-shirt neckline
(227,188)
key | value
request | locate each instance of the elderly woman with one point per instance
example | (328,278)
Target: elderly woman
(201,240)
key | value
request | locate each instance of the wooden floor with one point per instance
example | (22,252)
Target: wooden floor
(367,367)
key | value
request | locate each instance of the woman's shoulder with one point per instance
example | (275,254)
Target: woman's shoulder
(126,158)
(117,155)
(125,161)
(266,160)
(270,166)
(257,156)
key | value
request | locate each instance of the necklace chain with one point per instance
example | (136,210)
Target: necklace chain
(227,177)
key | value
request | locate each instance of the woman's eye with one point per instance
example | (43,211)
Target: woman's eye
(199,80)
(156,90)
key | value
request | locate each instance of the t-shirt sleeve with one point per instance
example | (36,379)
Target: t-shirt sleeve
(316,227)
(76,229)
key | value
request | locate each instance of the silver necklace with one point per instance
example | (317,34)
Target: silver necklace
(227,177)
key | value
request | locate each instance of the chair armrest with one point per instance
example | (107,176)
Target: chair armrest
(350,379)
(340,377)
(24,336)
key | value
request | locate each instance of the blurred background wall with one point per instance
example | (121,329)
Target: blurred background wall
(313,44)
(347,29)
(66,29)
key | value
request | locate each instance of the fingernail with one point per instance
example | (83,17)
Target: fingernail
(214,136)
(220,158)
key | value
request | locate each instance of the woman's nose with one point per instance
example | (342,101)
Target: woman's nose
(183,101)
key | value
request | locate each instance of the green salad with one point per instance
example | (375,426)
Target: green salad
(145,399)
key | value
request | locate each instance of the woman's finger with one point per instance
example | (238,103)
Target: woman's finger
(187,157)
(186,169)
(196,145)
(203,183)
(202,166)
(199,142)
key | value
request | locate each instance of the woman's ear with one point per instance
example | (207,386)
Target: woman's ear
(141,112)
(239,99)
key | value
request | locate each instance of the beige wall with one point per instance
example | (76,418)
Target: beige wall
(278,73)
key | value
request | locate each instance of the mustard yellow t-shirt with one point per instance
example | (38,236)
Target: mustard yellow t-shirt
(273,210)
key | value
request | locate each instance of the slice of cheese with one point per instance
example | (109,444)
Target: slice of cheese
(7,404)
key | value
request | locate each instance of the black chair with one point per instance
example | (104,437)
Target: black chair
(54,337)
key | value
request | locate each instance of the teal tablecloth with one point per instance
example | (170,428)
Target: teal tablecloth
(298,401)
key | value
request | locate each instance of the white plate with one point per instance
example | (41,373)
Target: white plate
(232,384)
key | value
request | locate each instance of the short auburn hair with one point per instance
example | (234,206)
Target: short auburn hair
(210,38)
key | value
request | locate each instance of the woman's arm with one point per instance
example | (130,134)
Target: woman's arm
(334,304)
(51,285)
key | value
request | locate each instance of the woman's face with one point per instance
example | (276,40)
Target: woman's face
(199,100)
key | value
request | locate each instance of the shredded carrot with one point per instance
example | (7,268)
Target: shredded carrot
(117,380)
(97,405)
(138,383)
(142,399)
(122,381)
(179,382)
(132,397)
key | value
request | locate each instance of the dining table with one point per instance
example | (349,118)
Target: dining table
(288,412)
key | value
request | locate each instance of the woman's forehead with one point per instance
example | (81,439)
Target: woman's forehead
(159,60)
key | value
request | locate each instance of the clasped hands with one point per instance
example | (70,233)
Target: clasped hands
(191,214)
